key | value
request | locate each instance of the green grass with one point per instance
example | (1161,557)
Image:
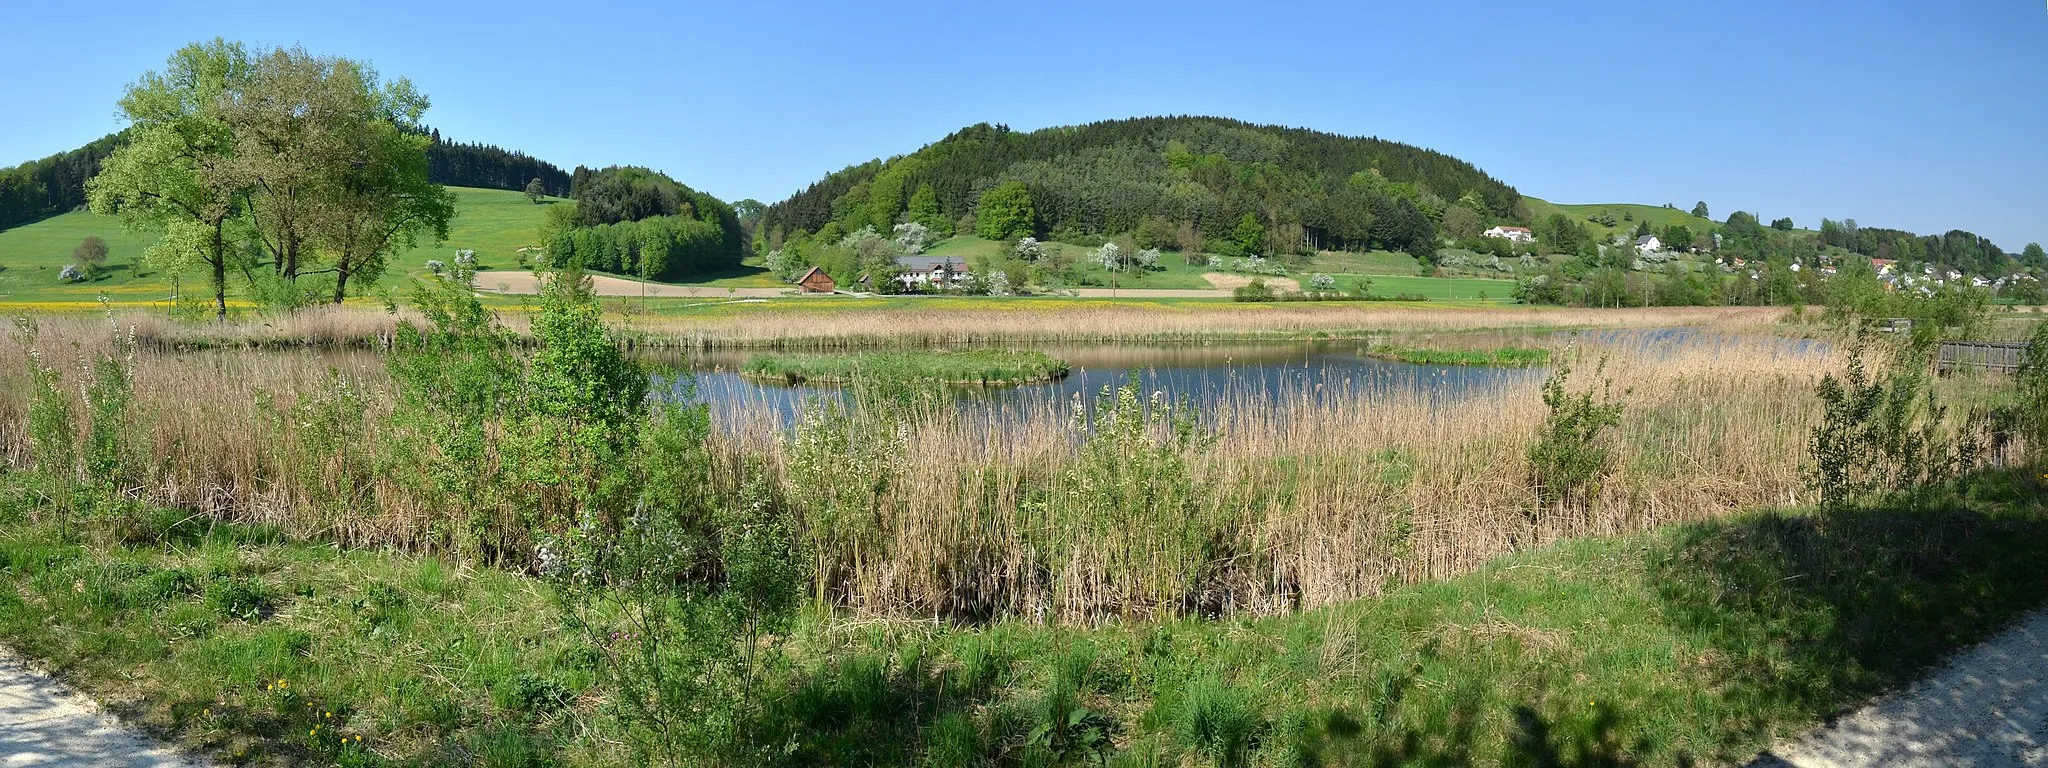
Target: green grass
(978,367)
(1515,357)
(494,223)
(1695,645)
(1658,216)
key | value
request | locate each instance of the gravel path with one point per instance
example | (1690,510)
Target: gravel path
(45,724)
(1987,707)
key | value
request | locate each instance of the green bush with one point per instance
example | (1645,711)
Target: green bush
(1569,457)
(1883,433)
(1254,291)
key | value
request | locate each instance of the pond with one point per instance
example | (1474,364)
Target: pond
(1206,375)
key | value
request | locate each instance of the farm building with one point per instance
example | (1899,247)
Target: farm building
(932,271)
(1516,234)
(816,281)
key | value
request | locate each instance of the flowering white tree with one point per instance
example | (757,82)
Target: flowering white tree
(465,259)
(999,284)
(435,266)
(912,237)
(1110,257)
(1029,249)
(1322,282)
(1148,258)
(785,266)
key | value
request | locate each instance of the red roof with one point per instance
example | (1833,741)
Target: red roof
(1511,229)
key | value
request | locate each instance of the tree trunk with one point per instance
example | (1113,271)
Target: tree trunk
(341,281)
(220,272)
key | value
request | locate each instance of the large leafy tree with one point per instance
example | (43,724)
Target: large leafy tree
(176,175)
(1006,212)
(382,199)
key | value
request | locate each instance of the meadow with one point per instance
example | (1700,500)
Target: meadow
(494,223)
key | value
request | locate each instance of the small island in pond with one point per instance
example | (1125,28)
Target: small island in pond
(978,367)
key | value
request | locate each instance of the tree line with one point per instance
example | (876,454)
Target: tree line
(490,167)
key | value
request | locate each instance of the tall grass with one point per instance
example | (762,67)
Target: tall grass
(1338,490)
(821,324)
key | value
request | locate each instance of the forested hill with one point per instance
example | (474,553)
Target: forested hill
(39,189)
(1109,176)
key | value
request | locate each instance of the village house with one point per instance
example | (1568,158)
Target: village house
(932,272)
(1884,266)
(816,281)
(1649,244)
(1515,234)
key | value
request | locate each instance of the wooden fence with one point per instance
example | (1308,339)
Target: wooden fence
(1992,356)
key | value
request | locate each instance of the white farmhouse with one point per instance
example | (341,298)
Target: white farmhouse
(1649,244)
(1516,234)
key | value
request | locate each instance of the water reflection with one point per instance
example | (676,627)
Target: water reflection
(1206,375)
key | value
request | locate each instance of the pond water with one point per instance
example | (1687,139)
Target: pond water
(1206,375)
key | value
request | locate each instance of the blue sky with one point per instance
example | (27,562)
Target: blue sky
(1919,115)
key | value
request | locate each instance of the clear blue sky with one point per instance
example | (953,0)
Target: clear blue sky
(1905,113)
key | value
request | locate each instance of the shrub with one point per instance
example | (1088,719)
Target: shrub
(1884,434)
(1568,458)
(1254,291)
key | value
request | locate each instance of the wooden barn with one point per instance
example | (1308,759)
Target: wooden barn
(816,281)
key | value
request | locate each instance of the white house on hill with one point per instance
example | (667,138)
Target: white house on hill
(1517,234)
(1649,244)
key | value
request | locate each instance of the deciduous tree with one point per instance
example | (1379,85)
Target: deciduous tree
(173,177)
(1006,212)
(535,190)
(90,254)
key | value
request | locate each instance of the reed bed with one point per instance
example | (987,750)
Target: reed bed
(820,324)
(1336,491)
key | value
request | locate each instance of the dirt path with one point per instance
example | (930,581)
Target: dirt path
(1987,707)
(44,723)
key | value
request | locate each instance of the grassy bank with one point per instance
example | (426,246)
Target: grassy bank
(1693,644)
(1514,357)
(978,367)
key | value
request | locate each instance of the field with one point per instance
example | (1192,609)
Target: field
(494,223)
(1658,216)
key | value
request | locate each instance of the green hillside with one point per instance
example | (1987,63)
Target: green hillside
(1284,185)
(1627,215)
(494,223)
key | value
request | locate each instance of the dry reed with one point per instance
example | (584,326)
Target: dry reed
(1334,492)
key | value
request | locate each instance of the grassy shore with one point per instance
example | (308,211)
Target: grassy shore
(1512,357)
(977,367)
(1693,644)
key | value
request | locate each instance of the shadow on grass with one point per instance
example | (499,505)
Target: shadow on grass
(1814,614)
